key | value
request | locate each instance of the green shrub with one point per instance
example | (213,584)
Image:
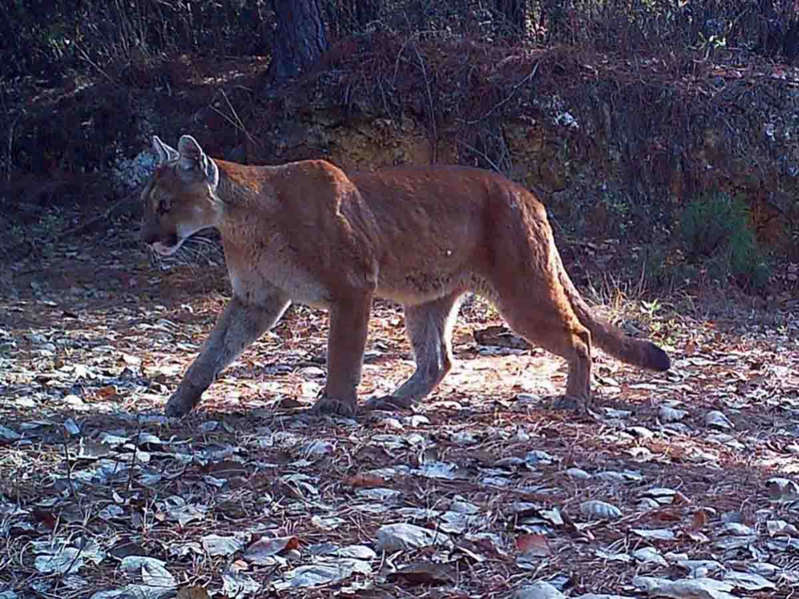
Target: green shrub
(716,234)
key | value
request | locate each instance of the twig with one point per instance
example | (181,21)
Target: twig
(507,98)
(88,59)
(432,114)
(235,121)
(134,454)
(68,465)
(402,49)
(11,146)
(433,128)
(479,153)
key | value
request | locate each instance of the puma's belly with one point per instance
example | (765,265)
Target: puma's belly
(421,269)
(418,285)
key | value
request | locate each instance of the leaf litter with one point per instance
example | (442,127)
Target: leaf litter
(687,485)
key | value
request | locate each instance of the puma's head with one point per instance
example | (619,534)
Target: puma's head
(180,198)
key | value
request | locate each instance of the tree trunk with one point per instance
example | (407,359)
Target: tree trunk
(299,38)
(514,12)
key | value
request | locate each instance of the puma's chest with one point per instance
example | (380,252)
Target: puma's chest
(254,268)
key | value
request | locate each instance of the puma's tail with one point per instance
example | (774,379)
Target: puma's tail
(612,339)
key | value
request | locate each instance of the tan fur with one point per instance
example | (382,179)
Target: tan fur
(307,232)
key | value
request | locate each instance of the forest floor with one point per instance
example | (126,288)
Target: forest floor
(687,485)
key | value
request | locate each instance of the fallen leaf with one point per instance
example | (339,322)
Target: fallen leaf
(749,581)
(717,419)
(397,537)
(699,520)
(600,510)
(655,534)
(534,545)
(216,545)
(694,588)
(782,489)
(193,592)
(323,573)
(538,590)
(237,584)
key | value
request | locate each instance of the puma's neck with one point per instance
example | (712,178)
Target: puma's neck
(242,185)
(248,201)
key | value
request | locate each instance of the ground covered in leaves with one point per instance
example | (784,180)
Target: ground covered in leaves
(685,486)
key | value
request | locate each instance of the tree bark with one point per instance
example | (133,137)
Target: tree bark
(299,38)
(514,12)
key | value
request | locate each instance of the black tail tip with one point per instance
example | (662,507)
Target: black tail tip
(658,359)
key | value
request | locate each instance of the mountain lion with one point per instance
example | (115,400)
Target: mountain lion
(309,232)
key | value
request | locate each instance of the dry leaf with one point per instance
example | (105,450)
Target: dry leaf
(193,592)
(105,393)
(364,481)
(699,520)
(533,545)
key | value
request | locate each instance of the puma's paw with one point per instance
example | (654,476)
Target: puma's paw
(388,403)
(332,406)
(181,403)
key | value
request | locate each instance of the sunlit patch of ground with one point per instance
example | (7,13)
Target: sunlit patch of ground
(91,345)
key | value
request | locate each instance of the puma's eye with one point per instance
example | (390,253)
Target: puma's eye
(164,205)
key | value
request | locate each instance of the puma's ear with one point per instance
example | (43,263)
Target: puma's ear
(164,152)
(192,156)
(190,152)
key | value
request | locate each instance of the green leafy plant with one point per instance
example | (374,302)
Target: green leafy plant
(716,234)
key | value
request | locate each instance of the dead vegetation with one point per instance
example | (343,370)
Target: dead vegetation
(685,487)
(617,147)
(479,493)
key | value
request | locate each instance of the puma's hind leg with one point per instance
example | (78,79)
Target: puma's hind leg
(429,328)
(550,321)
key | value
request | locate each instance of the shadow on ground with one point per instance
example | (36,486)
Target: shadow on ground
(252,495)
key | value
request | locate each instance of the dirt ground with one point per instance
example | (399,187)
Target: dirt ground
(686,485)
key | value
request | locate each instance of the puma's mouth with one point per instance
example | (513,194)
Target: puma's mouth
(164,249)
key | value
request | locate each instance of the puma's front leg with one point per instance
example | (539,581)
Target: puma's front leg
(349,320)
(239,325)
